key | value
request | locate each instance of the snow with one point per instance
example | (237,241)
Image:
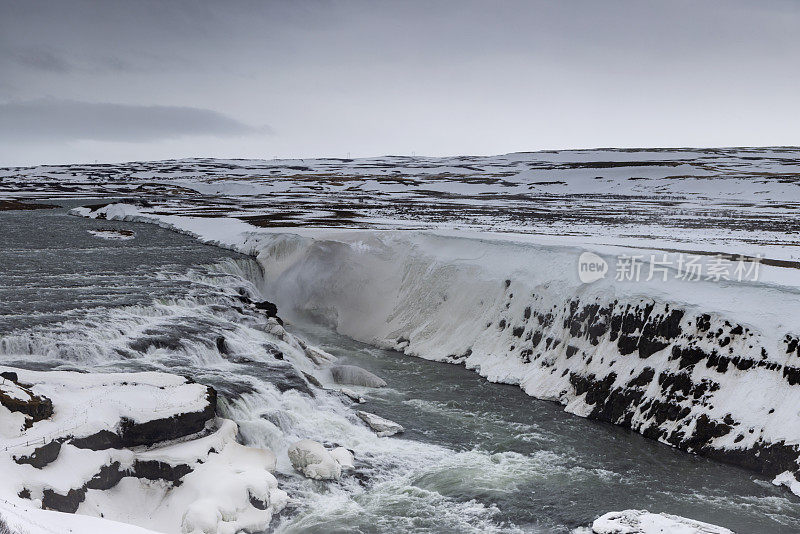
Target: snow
(112,234)
(343,457)
(90,402)
(314,461)
(30,520)
(352,395)
(644,522)
(738,199)
(14,391)
(788,479)
(217,494)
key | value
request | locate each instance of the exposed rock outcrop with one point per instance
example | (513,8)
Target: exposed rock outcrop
(383,427)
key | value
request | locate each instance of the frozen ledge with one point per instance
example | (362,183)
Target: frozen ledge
(140,448)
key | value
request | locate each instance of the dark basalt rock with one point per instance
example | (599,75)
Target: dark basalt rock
(258,503)
(105,439)
(155,470)
(68,503)
(41,456)
(536,339)
(222,345)
(313,380)
(108,477)
(644,378)
(675,384)
(136,434)
(792,375)
(639,328)
(268,307)
(131,434)
(459,358)
(282,376)
(35,406)
(9,375)
(792,344)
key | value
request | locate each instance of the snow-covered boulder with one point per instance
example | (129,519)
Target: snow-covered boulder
(383,427)
(234,491)
(789,480)
(352,395)
(352,375)
(344,457)
(644,522)
(312,459)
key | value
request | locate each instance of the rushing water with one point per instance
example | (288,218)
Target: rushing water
(475,457)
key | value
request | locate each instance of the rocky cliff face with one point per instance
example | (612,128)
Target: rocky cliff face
(699,382)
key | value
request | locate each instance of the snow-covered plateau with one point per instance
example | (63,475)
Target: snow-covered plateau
(472,261)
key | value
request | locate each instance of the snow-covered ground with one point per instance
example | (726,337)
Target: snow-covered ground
(734,200)
(475,261)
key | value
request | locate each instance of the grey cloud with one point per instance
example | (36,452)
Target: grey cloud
(41,59)
(67,120)
(49,60)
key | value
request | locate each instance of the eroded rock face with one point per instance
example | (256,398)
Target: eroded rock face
(352,375)
(698,381)
(18,397)
(133,434)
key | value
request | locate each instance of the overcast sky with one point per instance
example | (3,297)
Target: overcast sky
(111,81)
